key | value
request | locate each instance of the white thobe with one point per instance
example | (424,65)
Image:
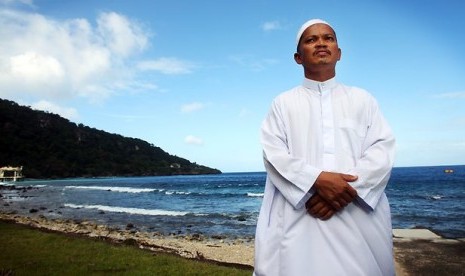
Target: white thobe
(315,127)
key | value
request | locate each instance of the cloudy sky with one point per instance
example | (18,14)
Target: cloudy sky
(196,78)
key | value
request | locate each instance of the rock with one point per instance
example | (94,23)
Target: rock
(129,226)
(130,241)
(196,236)
(33,210)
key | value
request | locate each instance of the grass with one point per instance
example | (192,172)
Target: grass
(26,251)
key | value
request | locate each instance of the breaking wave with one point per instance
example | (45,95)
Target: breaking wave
(136,211)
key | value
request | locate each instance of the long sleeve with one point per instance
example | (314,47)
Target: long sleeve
(291,175)
(374,166)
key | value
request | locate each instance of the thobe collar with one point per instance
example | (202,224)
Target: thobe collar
(319,86)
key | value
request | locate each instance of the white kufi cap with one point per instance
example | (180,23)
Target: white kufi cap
(308,24)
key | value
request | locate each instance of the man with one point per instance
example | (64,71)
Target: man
(328,153)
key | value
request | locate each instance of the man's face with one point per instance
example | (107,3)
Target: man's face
(318,46)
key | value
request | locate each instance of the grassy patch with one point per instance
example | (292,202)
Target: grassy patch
(25,251)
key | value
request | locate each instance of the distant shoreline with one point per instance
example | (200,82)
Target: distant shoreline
(25,178)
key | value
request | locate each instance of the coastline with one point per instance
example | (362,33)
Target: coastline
(237,252)
(416,251)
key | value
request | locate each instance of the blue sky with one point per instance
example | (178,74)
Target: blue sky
(196,78)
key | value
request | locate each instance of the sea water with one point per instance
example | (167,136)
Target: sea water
(227,205)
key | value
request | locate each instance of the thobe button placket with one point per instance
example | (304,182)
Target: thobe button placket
(327,128)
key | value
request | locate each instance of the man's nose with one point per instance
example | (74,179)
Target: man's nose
(320,43)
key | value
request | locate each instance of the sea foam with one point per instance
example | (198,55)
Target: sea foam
(114,189)
(255,194)
(136,211)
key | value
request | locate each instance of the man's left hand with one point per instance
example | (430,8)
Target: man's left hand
(319,208)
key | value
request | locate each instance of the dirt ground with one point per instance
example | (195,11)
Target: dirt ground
(423,257)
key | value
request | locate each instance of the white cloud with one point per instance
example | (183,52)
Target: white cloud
(43,58)
(11,2)
(452,95)
(29,71)
(121,35)
(169,66)
(191,107)
(33,67)
(66,112)
(192,140)
(253,63)
(271,26)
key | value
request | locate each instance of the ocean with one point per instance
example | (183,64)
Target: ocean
(225,205)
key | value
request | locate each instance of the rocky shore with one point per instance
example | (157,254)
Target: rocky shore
(13,208)
(416,251)
(194,246)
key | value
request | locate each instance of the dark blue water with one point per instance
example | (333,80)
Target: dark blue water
(228,204)
(428,197)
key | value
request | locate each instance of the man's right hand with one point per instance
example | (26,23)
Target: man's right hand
(335,189)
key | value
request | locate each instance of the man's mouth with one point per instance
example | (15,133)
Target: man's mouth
(322,53)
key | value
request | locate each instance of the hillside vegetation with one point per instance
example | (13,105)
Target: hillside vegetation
(49,146)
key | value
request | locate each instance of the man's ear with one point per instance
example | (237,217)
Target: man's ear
(339,53)
(298,58)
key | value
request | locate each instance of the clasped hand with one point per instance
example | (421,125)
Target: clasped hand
(332,194)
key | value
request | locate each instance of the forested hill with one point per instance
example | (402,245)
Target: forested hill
(49,146)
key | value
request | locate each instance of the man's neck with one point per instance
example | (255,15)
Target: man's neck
(321,74)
